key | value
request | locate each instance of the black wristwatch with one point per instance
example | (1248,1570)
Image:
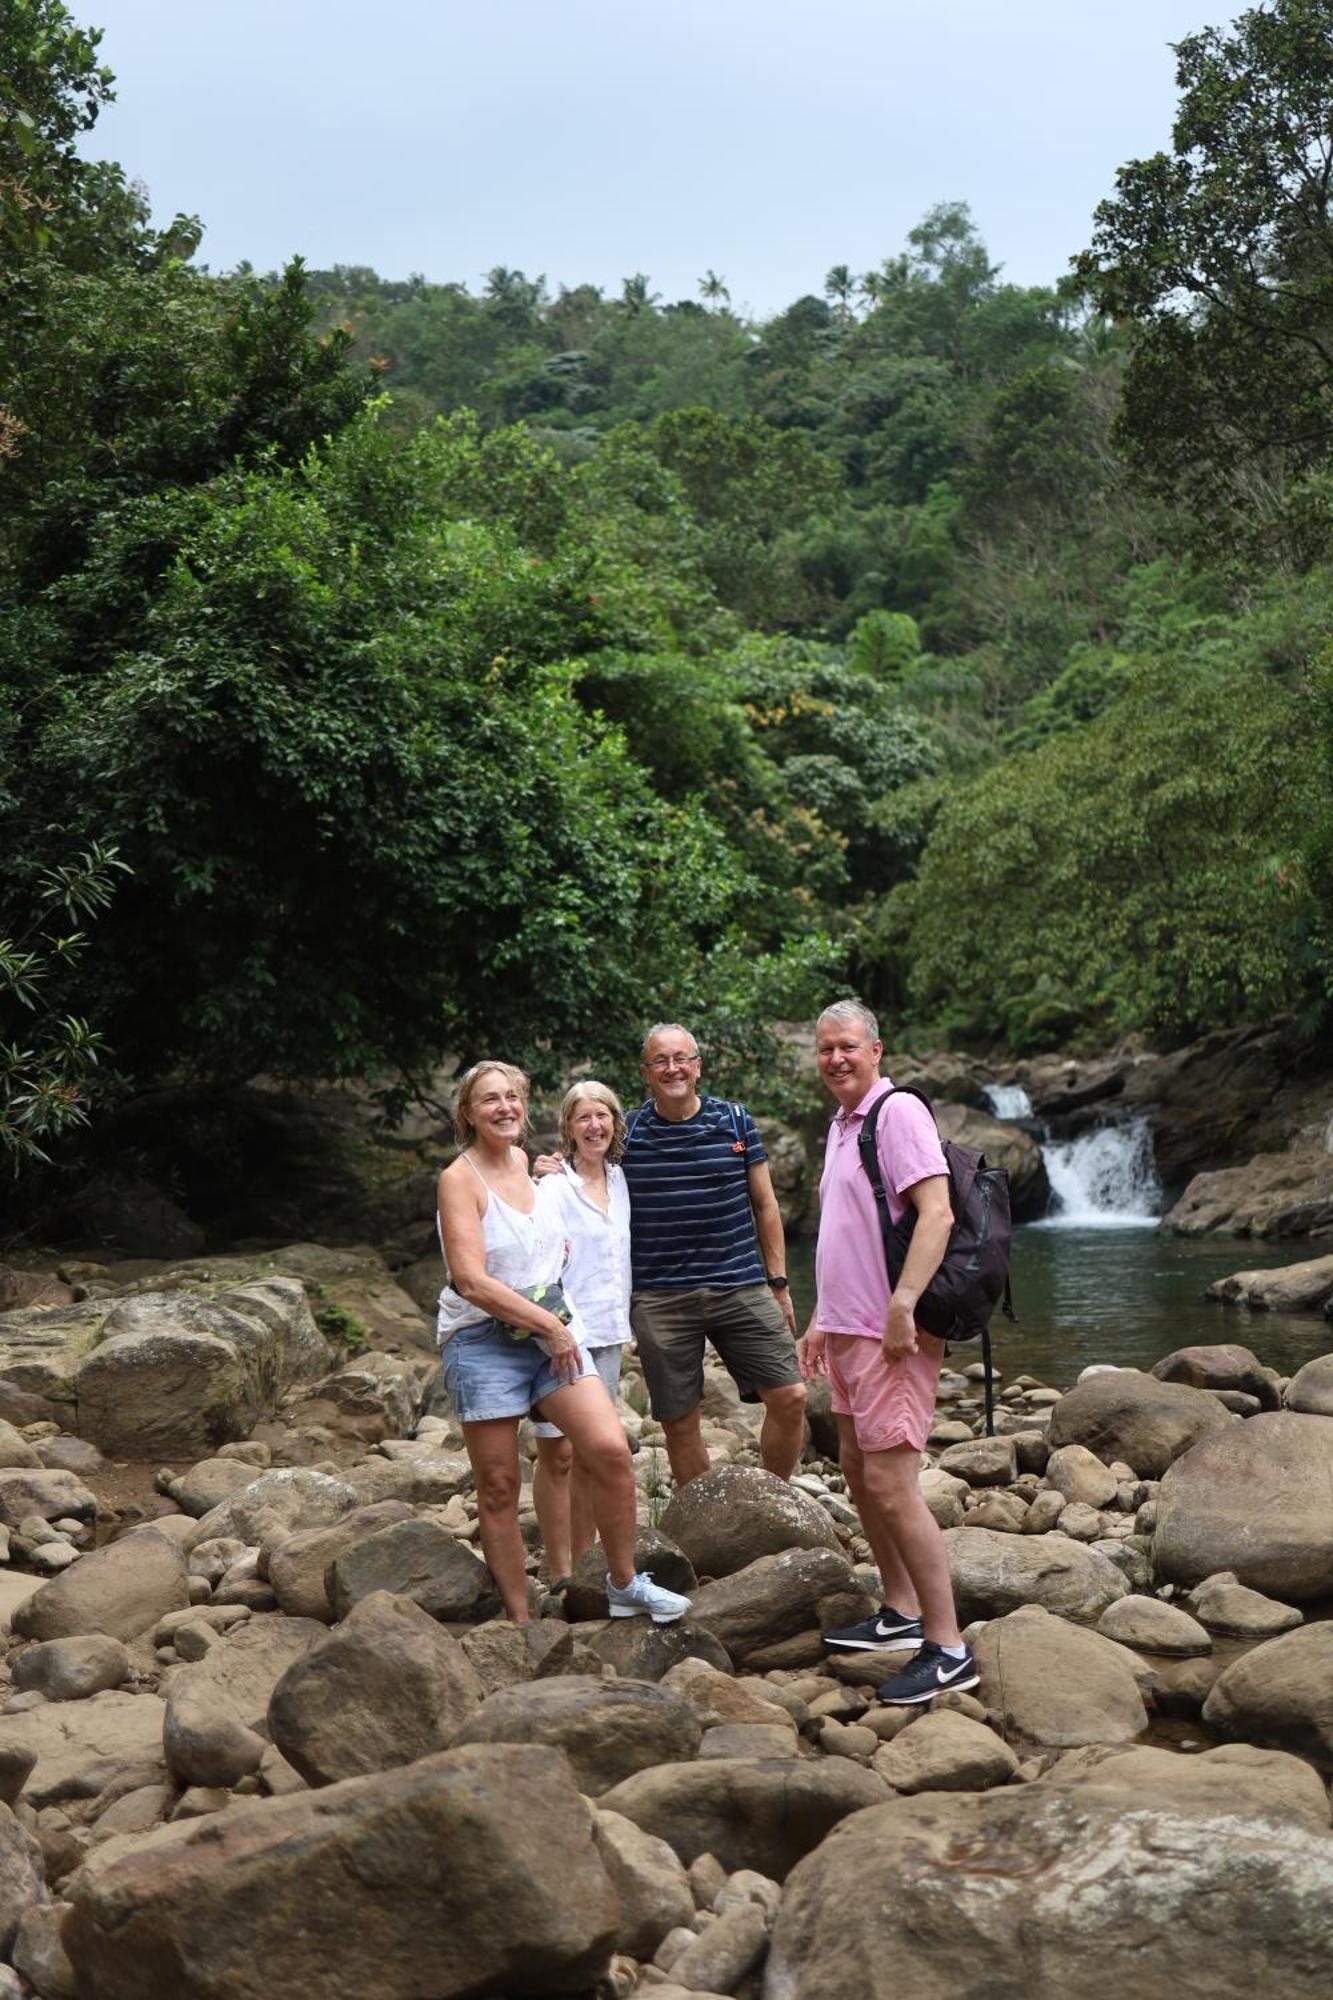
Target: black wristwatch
(779,1284)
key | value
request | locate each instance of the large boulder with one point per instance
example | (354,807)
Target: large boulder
(21,1876)
(77,1748)
(1222,1605)
(385,1687)
(654,1552)
(217,1707)
(1267,1781)
(750,1812)
(994,1573)
(122,1590)
(729,1517)
(1221,1365)
(777,1597)
(1303,1287)
(1135,1418)
(1280,1694)
(281,1502)
(654,1890)
(174,1375)
(42,1349)
(55,1495)
(1276,1194)
(71,1669)
(468,1873)
(1056,1685)
(1310,1390)
(298,1567)
(417,1559)
(1041,1893)
(607,1729)
(944,1751)
(1257,1501)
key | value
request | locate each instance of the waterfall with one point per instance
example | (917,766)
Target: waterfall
(1010,1100)
(1105,1180)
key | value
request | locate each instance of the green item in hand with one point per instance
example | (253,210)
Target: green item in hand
(551,1297)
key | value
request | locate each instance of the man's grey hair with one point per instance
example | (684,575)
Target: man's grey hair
(851,1010)
(667,1028)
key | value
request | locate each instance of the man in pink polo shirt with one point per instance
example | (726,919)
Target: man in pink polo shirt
(883,1369)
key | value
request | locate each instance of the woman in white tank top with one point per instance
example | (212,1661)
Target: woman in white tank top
(501,1244)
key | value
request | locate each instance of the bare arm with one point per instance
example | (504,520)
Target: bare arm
(930,1238)
(465,1253)
(768,1228)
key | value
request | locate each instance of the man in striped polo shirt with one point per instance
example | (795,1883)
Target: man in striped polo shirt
(709,1260)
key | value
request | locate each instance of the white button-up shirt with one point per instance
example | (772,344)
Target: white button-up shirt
(597,1275)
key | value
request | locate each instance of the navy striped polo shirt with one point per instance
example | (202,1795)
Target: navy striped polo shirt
(691,1225)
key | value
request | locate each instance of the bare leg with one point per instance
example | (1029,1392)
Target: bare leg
(783,1434)
(492,1448)
(893,1496)
(551,1497)
(588,1419)
(686,1450)
(897,1585)
(582,1520)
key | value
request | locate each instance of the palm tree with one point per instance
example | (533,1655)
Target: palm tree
(839,286)
(635,295)
(713,288)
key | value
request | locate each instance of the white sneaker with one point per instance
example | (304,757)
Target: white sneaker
(642,1598)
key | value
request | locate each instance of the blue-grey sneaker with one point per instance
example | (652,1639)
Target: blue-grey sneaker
(642,1598)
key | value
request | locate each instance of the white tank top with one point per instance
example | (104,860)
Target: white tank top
(521,1250)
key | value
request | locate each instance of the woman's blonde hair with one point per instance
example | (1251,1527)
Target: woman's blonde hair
(600,1093)
(465,1127)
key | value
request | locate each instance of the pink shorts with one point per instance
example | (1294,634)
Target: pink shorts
(890,1403)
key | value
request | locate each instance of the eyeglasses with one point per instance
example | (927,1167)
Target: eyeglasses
(670,1062)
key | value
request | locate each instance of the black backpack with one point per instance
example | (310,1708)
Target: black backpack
(973,1277)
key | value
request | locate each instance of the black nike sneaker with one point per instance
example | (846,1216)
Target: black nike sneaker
(932,1672)
(887,1632)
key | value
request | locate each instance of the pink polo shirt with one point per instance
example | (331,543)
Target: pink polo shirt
(850,1274)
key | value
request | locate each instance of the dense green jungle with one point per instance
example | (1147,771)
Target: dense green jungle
(391,667)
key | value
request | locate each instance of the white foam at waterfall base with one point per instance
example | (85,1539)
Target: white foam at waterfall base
(1107,1179)
(1009,1100)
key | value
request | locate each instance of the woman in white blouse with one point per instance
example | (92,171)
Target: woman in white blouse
(592,1200)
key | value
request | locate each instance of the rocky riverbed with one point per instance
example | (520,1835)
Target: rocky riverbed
(262,1732)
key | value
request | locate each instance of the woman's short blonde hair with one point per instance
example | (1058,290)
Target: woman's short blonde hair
(600,1093)
(465,1126)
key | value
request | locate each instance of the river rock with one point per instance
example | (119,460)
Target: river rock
(654,1551)
(298,1566)
(777,1597)
(505,1655)
(762,1813)
(1280,1694)
(417,1559)
(608,1729)
(1267,1781)
(719,1958)
(995,1573)
(206,1485)
(718,1698)
(983,1461)
(1153,1627)
(1147,1423)
(71,1669)
(1081,1476)
(1055,1685)
(1224,1368)
(654,1890)
(285,1500)
(1310,1390)
(733,1515)
(426,1479)
(15,1450)
(80,1748)
(1257,1502)
(173,1374)
(944,1751)
(424,1880)
(217,1707)
(641,1651)
(1303,1287)
(337,1713)
(943,1495)
(55,1496)
(1045,1889)
(1276,1194)
(380,1394)
(1223,1605)
(121,1590)
(21,1876)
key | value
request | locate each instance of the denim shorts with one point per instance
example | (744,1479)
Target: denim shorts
(490,1375)
(606,1360)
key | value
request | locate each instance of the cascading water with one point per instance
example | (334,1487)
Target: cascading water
(1010,1100)
(1107,1179)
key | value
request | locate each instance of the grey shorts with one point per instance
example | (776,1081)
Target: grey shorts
(606,1360)
(745,1326)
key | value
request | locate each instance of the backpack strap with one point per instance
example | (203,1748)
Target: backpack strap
(631,1124)
(738,1145)
(869,1151)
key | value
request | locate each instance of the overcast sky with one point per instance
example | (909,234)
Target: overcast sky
(586,139)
